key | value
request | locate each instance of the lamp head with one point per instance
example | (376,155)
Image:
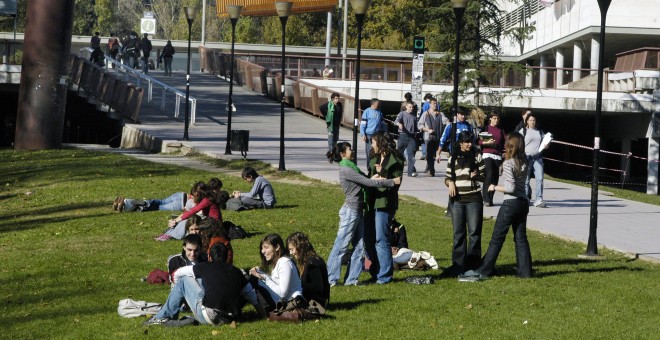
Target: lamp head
(360,6)
(191,13)
(234,11)
(459,3)
(283,8)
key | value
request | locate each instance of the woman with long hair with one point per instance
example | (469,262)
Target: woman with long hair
(278,279)
(207,201)
(351,222)
(533,137)
(382,204)
(513,212)
(181,229)
(491,150)
(312,269)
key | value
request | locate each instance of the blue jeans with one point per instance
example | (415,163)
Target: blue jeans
(377,240)
(351,230)
(513,212)
(187,289)
(333,137)
(466,216)
(408,144)
(367,149)
(179,231)
(173,203)
(535,166)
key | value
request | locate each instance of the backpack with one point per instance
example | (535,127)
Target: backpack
(129,308)
(235,231)
(158,276)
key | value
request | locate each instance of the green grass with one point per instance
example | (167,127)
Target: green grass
(616,191)
(67,260)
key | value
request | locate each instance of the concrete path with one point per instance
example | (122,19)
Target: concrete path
(626,226)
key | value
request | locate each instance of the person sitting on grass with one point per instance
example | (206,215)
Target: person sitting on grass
(214,291)
(312,269)
(261,196)
(213,232)
(206,201)
(276,279)
(190,255)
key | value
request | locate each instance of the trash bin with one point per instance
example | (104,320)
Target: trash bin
(239,141)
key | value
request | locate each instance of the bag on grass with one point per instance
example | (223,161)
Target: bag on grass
(129,308)
(158,276)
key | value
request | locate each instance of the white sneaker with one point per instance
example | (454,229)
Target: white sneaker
(540,204)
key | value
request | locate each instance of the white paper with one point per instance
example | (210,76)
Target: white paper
(547,138)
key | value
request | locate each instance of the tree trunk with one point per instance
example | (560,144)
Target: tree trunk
(42,93)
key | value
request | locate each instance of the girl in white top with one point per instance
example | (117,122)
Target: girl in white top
(277,274)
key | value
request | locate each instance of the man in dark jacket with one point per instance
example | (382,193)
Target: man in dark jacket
(190,255)
(145,46)
(216,300)
(332,112)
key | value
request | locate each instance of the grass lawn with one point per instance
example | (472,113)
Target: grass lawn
(67,260)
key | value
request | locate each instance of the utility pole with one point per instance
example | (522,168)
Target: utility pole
(43,89)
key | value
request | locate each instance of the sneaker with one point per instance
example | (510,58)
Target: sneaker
(155,321)
(163,238)
(115,204)
(414,174)
(540,204)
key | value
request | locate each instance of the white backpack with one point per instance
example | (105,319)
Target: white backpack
(130,308)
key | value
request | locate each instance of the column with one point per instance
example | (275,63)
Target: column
(577,60)
(559,64)
(652,166)
(595,50)
(529,77)
(543,73)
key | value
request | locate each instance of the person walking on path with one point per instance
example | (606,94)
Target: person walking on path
(145,46)
(461,125)
(492,149)
(382,204)
(533,139)
(513,212)
(466,205)
(113,46)
(372,122)
(431,124)
(332,112)
(407,123)
(167,55)
(351,222)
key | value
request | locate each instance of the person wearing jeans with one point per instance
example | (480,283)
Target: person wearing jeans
(533,138)
(462,178)
(351,223)
(407,123)
(382,204)
(513,212)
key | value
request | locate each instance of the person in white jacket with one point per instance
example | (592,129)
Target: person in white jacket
(278,279)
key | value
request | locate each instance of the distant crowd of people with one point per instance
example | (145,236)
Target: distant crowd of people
(131,51)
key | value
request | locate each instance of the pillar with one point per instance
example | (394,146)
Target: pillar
(559,64)
(42,93)
(577,61)
(652,167)
(529,77)
(595,50)
(543,72)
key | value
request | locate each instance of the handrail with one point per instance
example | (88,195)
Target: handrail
(139,76)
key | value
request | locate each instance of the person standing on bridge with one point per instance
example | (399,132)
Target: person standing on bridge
(167,55)
(145,46)
(332,112)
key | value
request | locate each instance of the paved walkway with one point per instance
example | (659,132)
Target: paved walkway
(626,226)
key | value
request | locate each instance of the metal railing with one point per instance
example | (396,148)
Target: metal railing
(165,90)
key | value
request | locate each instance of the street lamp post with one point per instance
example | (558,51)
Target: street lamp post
(360,9)
(234,13)
(191,12)
(592,244)
(459,9)
(283,9)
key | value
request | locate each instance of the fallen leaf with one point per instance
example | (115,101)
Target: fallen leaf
(215,332)
(468,306)
(232,324)
(525,322)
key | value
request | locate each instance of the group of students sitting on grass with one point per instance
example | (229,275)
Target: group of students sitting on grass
(205,201)
(290,280)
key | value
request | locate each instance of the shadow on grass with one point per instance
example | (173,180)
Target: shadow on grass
(9,222)
(587,270)
(352,304)
(285,206)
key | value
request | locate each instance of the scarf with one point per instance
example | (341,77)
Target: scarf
(330,117)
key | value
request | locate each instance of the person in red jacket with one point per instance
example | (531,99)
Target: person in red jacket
(207,201)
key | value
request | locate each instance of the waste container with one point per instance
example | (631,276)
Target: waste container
(239,141)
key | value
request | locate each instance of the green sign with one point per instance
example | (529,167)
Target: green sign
(418,45)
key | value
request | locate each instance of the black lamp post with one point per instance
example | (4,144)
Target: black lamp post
(592,244)
(234,13)
(191,12)
(360,9)
(283,9)
(459,9)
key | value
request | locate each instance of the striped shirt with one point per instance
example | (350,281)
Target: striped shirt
(468,188)
(514,184)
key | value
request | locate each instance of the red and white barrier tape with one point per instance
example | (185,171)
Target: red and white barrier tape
(629,154)
(582,165)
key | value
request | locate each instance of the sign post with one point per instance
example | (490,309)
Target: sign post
(417,72)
